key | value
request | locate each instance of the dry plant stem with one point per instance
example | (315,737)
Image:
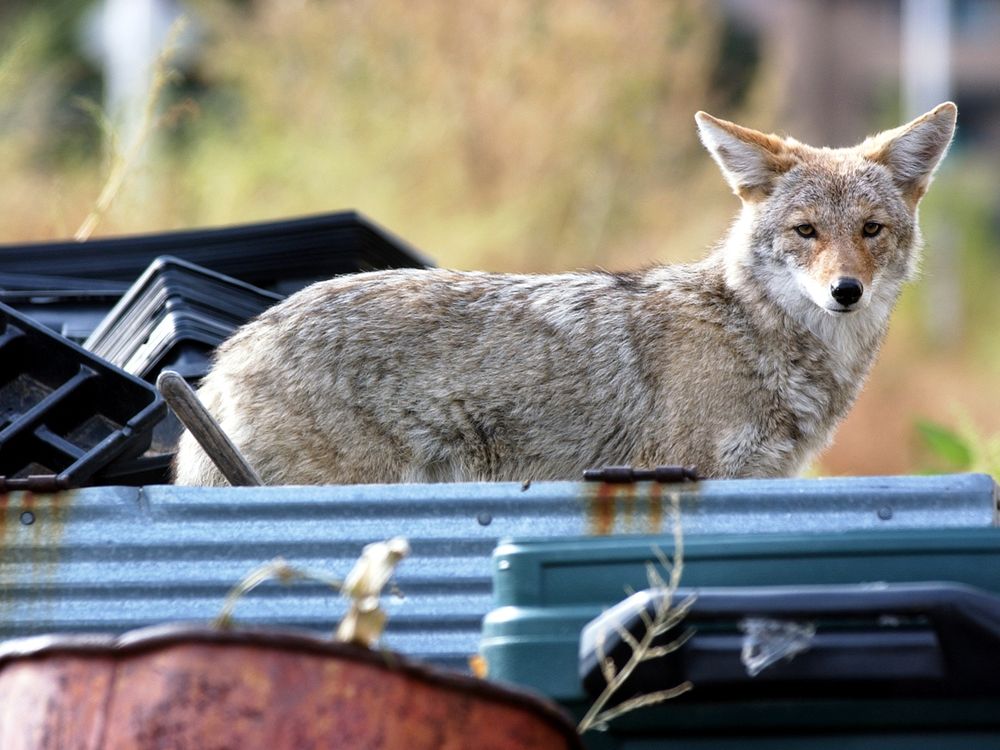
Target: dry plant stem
(365,620)
(276,569)
(666,617)
(640,701)
(122,161)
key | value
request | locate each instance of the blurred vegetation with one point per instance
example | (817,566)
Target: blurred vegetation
(521,135)
(529,135)
(963,449)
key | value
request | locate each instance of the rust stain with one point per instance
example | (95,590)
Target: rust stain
(609,502)
(654,518)
(614,507)
(6,569)
(51,514)
(30,546)
(602,510)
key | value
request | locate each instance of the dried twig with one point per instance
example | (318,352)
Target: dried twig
(641,701)
(665,617)
(365,619)
(277,569)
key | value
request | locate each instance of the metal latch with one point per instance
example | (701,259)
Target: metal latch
(626,474)
(35,483)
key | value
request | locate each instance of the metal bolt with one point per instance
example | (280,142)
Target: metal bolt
(484,518)
(27,518)
(885,512)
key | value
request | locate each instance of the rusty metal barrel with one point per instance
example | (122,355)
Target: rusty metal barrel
(183,686)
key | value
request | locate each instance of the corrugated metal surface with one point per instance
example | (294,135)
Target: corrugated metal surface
(114,558)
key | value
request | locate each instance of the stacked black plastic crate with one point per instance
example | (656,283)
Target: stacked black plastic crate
(121,310)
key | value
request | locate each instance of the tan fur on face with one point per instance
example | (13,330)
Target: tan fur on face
(736,364)
(832,260)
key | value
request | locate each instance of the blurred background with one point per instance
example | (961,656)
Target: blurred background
(524,135)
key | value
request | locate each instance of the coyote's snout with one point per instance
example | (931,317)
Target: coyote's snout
(839,274)
(741,364)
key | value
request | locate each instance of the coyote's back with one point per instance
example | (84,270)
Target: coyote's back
(741,364)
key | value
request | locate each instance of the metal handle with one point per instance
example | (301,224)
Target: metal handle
(216,443)
(938,638)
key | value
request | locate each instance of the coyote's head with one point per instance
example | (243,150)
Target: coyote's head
(834,226)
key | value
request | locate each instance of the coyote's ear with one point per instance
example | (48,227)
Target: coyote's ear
(751,161)
(913,151)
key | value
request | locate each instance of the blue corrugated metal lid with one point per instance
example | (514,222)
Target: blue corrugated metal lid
(115,558)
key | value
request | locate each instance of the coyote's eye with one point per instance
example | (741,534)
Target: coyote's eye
(871,228)
(806,230)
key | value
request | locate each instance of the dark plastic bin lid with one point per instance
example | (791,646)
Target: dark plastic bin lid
(282,255)
(64,413)
(16,287)
(176,313)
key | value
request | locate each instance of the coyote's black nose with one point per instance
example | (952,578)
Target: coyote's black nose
(846,291)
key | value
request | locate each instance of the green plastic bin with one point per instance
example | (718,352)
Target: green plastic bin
(546,591)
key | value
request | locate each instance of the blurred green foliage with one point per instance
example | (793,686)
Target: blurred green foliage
(945,449)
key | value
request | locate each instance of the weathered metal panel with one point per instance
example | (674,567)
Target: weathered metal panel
(115,558)
(193,687)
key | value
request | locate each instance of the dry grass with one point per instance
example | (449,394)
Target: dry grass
(517,136)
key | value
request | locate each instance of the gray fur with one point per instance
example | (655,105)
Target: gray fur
(735,364)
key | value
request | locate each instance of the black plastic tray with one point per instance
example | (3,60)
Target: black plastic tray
(16,287)
(174,316)
(68,306)
(64,413)
(137,472)
(283,256)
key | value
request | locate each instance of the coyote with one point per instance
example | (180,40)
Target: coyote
(741,364)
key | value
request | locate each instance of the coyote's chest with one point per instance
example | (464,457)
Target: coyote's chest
(808,385)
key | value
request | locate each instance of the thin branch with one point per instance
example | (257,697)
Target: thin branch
(665,617)
(656,652)
(606,662)
(656,581)
(607,668)
(675,615)
(641,701)
(277,569)
(628,638)
(662,558)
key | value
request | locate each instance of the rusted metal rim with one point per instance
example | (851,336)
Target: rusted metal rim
(157,637)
